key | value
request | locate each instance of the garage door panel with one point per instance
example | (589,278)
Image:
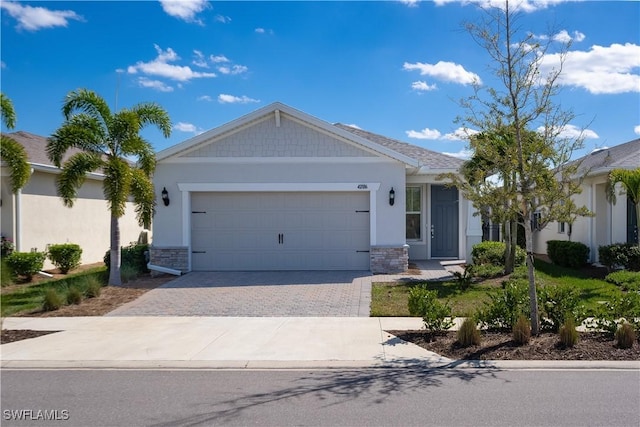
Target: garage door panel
(280,231)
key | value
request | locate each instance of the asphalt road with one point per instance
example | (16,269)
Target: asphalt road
(366,397)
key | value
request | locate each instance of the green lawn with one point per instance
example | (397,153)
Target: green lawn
(29,297)
(390,299)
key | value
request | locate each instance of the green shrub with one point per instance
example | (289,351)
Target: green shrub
(436,316)
(627,280)
(557,303)
(468,334)
(26,264)
(487,271)
(567,254)
(65,256)
(464,279)
(128,273)
(52,300)
(505,305)
(6,275)
(625,336)
(521,330)
(74,296)
(132,256)
(568,333)
(92,288)
(625,255)
(6,247)
(621,308)
(493,253)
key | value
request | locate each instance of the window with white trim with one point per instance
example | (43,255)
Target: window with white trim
(414,213)
(561,227)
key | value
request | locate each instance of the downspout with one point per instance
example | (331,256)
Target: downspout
(18,218)
(592,224)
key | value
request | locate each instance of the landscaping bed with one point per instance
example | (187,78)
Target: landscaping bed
(500,346)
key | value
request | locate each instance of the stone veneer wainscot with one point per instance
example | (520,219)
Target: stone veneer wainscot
(389,259)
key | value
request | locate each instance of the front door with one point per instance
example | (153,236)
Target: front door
(444,222)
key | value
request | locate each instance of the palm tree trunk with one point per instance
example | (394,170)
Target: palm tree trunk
(114,270)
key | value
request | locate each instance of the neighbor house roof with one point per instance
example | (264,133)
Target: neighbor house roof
(427,158)
(623,156)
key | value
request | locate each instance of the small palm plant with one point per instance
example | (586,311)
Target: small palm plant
(107,141)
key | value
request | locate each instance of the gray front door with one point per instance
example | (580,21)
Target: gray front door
(444,222)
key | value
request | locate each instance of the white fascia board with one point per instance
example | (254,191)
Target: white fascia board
(278,108)
(273,160)
(55,170)
(278,186)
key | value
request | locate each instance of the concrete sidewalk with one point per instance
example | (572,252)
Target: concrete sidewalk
(235,343)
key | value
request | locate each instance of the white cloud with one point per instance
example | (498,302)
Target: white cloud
(216,59)
(263,31)
(185,9)
(574,132)
(445,71)
(410,3)
(161,67)
(425,133)
(154,84)
(223,19)
(462,154)
(600,70)
(230,99)
(233,70)
(636,130)
(3,64)
(204,98)
(187,127)
(36,18)
(523,5)
(423,86)
(460,134)
(564,36)
(199,60)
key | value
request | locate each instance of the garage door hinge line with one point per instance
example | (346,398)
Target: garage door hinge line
(202,212)
(362,211)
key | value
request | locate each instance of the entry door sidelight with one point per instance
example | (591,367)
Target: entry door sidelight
(444,222)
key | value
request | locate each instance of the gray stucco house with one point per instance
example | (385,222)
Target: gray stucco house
(279,189)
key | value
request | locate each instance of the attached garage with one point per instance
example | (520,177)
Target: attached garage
(280,231)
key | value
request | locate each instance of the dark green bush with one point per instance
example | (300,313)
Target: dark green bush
(52,300)
(131,256)
(464,279)
(558,303)
(74,296)
(627,280)
(65,256)
(468,334)
(506,305)
(625,255)
(567,254)
(92,287)
(521,330)
(621,308)
(568,333)
(26,264)
(436,316)
(493,253)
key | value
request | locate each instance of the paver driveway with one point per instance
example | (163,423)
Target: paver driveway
(246,294)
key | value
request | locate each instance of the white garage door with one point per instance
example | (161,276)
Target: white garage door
(280,231)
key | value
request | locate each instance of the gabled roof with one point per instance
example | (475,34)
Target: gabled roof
(427,158)
(277,108)
(623,156)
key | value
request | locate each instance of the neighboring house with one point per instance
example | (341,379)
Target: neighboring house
(278,189)
(612,223)
(36,216)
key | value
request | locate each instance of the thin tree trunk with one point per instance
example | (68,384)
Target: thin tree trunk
(508,250)
(514,242)
(533,294)
(114,270)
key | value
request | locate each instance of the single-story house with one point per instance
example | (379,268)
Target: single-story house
(279,189)
(36,217)
(611,223)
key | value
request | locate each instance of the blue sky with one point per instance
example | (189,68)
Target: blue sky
(396,68)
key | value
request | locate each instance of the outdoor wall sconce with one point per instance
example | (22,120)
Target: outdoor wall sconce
(392,197)
(165,196)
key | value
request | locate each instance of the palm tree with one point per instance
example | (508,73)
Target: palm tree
(106,141)
(630,180)
(12,153)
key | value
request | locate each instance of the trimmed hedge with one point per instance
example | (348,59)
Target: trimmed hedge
(626,255)
(65,256)
(132,256)
(493,253)
(567,254)
(26,264)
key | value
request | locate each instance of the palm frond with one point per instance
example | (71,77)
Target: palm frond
(74,172)
(7,112)
(88,102)
(15,156)
(150,113)
(143,196)
(117,185)
(81,131)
